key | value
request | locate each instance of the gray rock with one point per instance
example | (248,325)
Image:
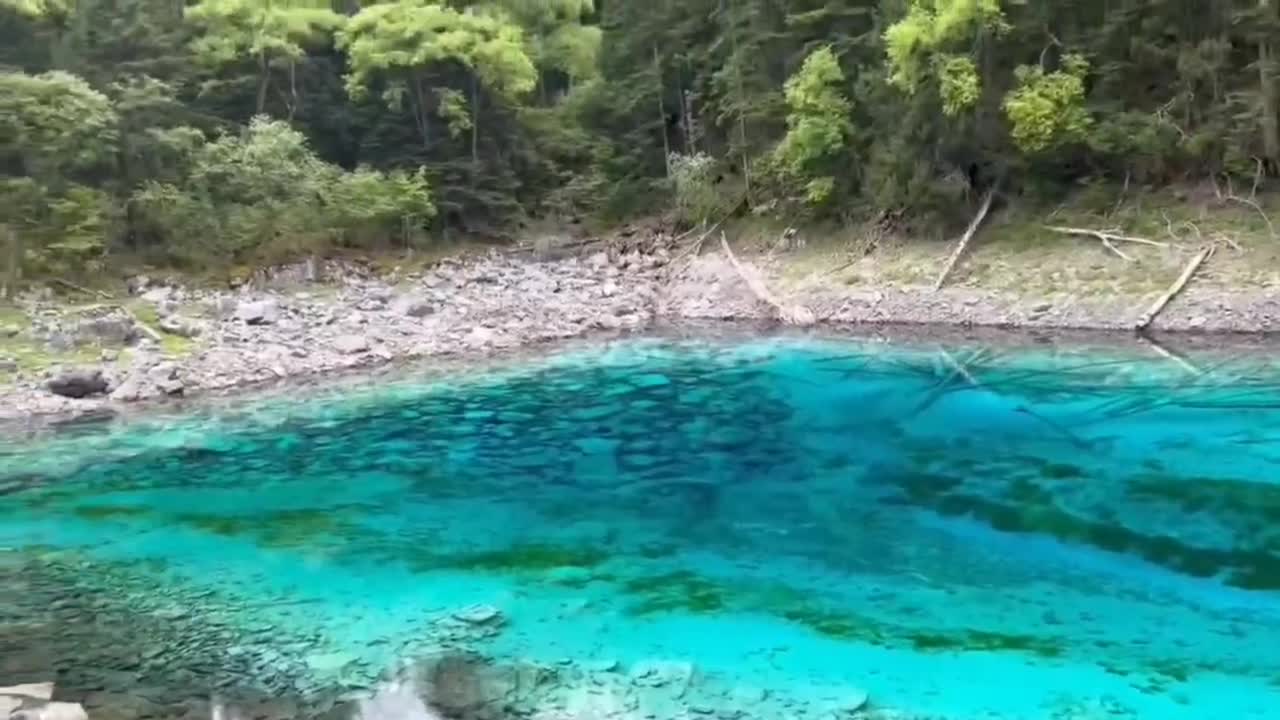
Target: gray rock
(258,312)
(598,260)
(8,365)
(116,329)
(133,388)
(180,326)
(351,344)
(137,284)
(8,331)
(78,383)
(415,307)
(60,341)
(479,337)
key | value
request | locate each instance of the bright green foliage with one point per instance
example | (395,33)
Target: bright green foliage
(415,35)
(407,43)
(934,26)
(266,33)
(818,124)
(1047,109)
(264,193)
(38,9)
(958,83)
(53,124)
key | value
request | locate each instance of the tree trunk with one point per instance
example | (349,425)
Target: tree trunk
(662,111)
(1267,86)
(13,270)
(475,121)
(264,81)
(420,111)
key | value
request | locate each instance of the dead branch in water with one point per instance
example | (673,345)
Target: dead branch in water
(1170,355)
(1105,236)
(965,239)
(789,314)
(1177,286)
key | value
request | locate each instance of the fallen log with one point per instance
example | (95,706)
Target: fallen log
(1150,315)
(965,239)
(789,314)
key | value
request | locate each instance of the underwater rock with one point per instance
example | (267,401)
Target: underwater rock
(479,615)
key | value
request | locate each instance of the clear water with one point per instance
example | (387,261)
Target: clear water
(1048,534)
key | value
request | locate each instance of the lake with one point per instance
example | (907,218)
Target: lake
(779,527)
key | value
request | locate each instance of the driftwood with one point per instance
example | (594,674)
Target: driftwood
(964,241)
(789,314)
(1145,321)
(1106,237)
(79,288)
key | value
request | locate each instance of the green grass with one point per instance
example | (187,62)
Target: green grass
(1015,252)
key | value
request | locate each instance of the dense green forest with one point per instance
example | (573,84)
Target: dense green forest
(210,132)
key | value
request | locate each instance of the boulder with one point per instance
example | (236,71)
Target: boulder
(258,312)
(78,383)
(114,329)
(351,344)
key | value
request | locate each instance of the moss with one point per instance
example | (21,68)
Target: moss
(984,641)
(837,625)
(284,529)
(676,591)
(1247,569)
(108,512)
(1061,471)
(1197,494)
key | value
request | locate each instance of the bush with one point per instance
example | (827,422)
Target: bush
(264,195)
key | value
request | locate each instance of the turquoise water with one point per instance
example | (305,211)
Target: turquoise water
(962,533)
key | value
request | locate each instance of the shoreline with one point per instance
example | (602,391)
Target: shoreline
(500,308)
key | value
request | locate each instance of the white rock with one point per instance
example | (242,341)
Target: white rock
(351,344)
(51,711)
(40,691)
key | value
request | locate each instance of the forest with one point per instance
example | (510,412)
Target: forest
(204,133)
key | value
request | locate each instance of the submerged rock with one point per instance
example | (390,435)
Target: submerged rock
(479,615)
(78,383)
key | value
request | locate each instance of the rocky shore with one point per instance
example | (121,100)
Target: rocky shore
(167,340)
